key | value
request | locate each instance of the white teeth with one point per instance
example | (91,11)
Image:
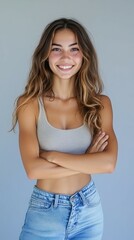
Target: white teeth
(65,67)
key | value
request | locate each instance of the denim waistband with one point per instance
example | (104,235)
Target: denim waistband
(65,199)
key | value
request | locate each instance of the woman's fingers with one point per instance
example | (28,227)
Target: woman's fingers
(99,143)
(96,138)
(102,143)
(103,146)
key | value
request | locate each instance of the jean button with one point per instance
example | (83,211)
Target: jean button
(72,201)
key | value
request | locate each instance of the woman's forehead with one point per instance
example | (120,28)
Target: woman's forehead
(64,36)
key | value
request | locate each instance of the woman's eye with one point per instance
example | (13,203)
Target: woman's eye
(56,49)
(74,49)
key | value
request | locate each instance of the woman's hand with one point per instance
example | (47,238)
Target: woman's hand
(44,154)
(99,143)
(49,155)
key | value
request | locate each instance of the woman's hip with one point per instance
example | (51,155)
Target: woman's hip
(54,216)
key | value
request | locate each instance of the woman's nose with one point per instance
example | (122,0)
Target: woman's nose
(65,54)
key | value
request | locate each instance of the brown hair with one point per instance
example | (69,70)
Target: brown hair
(88,85)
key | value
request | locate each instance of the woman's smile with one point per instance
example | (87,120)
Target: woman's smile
(65,67)
(65,58)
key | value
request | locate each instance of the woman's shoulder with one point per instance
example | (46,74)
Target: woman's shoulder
(106,112)
(26,100)
(25,104)
(105,100)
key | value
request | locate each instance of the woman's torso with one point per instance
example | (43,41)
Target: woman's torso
(60,128)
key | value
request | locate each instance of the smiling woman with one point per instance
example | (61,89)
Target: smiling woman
(65,135)
(65,57)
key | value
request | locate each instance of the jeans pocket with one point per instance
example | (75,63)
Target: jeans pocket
(40,205)
(93,199)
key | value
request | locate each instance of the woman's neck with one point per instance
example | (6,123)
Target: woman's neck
(64,89)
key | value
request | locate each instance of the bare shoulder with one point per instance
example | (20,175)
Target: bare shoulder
(106,112)
(24,101)
(106,105)
(105,100)
(24,104)
(27,111)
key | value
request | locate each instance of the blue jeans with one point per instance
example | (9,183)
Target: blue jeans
(64,217)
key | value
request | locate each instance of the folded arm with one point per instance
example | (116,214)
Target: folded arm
(35,166)
(92,162)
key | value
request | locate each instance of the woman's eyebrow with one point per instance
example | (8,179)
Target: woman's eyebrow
(73,44)
(59,45)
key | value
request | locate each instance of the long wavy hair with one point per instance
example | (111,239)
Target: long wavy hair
(88,85)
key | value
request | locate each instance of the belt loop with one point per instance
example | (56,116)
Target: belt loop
(83,198)
(56,200)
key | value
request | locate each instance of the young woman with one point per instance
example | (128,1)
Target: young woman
(65,135)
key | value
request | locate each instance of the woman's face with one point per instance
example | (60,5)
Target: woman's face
(65,58)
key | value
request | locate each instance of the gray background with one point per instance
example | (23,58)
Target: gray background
(111,24)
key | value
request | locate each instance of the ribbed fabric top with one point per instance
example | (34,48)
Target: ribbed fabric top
(75,141)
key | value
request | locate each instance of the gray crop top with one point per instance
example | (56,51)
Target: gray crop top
(75,141)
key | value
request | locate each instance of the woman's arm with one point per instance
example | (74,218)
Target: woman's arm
(35,166)
(96,162)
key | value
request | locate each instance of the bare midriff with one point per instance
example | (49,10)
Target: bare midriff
(67,185)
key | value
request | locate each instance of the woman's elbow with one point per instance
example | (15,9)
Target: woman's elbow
(31,174)
(111,168)
(112,164)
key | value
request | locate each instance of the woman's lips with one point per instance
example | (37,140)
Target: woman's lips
(65,67)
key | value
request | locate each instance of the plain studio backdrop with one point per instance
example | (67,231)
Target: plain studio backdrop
(111,27)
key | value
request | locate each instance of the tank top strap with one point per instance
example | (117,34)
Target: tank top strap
(41,106)
(40,101)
